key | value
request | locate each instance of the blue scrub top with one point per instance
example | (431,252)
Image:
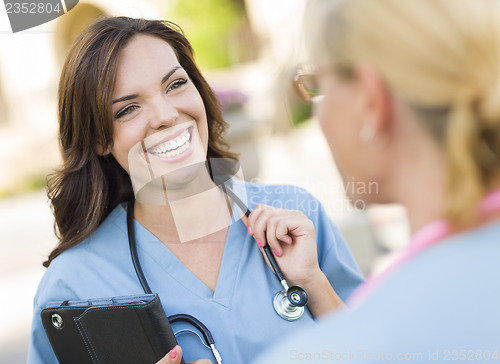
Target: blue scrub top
(239,313)
(442,306)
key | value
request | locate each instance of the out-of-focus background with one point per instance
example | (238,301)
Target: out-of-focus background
(248,50)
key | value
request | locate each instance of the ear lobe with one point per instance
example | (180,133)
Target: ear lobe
(101,151)
(367,132)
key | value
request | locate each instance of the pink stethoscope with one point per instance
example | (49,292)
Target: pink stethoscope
(429,235)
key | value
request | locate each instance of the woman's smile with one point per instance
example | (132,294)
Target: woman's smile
(175,148)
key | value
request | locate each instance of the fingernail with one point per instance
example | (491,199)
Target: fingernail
(275,252)
(250,231)
(259,243)
(173,352)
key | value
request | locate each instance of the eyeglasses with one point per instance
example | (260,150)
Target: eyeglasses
(306,84)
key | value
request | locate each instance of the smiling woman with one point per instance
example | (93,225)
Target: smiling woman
(158,95)
(139,124)
(87,133)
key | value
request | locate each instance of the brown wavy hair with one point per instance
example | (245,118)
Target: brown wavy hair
(89,186)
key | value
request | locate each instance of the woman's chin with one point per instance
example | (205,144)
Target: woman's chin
(182,177)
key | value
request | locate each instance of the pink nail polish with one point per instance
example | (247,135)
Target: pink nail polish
(259,243)
(173,352)
(275,252)
(250,231)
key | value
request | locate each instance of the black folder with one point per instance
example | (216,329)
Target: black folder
(127,329)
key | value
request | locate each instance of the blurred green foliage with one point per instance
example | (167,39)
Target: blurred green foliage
(28,184)
(210,26)
(301,113)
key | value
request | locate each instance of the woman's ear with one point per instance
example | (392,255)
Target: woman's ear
(376,104)
(101,151)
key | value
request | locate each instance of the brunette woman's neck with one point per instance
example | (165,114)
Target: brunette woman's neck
(186,215)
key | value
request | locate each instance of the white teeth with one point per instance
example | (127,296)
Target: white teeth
(173,147)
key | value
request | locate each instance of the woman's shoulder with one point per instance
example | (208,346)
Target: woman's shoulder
(442,271)
(104,240)
(278,195)
(83,265)
(277,189)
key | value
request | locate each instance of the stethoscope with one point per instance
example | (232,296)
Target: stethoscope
(288,303)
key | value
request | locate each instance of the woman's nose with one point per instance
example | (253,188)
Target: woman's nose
(164,114)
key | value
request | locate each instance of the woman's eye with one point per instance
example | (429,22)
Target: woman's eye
(125,111)
(177,84)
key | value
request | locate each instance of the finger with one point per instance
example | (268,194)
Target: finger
(260,226)
(298,225)
(282,231)
(270,233)
(253,216)
(254,228)
(283,222)
(200,361)
(174,356)
(288,228)
(278,230)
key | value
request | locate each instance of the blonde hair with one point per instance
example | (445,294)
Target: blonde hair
(443,58)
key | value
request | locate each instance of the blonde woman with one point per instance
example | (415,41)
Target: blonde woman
(411,101)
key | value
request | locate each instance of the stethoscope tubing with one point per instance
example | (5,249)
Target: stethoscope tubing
(267,248)
(207,335)
(188,318)
(133,247)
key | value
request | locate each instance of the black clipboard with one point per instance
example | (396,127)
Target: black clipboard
(127,329)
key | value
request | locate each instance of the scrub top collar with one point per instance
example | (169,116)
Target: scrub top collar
(150,246)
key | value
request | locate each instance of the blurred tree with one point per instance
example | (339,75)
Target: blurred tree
(219,31)
(72,24)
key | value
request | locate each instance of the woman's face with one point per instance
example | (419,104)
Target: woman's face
(156,107)
(341,114)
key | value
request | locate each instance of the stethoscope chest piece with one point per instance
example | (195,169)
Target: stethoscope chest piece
(289,304)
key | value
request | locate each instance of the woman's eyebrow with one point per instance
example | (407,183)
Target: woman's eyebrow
(163,80)
(125,98)
(170,73)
